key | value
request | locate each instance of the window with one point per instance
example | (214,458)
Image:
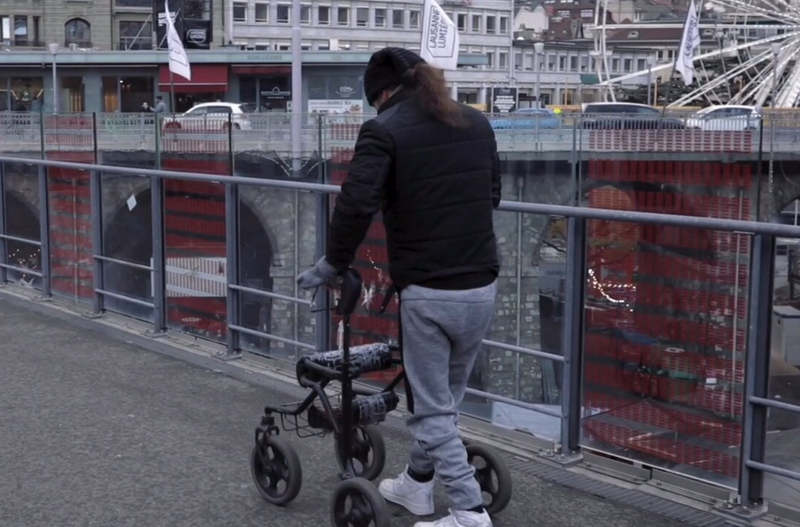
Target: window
(343,16)
(72,95)
(247,90)
(503,25)
(133,91)
(324,46)
(362,17)
(323,15)
(476,23)
(397,19)
(413,19)
(135,35)
(262,13)
(462,22)
(641,64)
(239,12)
(490,58)
(21,30)
(5,28)
(627,65)
(380,18)
(77,31)
(573,63)
(283,13)
(305,14)
(562,63)
(503,61)
(491,25)
(518,60)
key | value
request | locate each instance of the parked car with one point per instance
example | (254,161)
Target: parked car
(212,116)
(528,118)
(728,118)
(626,116)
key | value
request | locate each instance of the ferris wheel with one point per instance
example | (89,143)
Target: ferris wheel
(749,54)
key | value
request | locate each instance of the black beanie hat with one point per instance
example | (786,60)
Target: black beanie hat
(385,70)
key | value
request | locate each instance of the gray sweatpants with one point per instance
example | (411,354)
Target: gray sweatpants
(442,334)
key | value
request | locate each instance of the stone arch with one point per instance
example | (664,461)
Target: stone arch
(128,236)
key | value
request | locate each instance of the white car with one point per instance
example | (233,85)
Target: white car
(726,119)
(212,117)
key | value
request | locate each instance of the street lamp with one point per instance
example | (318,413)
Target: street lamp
(53,50)
(538,49)
(651,61)
(297,90)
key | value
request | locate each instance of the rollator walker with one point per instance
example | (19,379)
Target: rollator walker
(352,416)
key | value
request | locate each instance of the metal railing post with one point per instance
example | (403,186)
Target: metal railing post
(233,297)
(322,300)
(3,244)
(96,203)
(159,260)
(572,338)
(44,232)
(754,421)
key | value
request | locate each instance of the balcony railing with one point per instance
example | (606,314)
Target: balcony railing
(86,44)
(22,43)
(135,43)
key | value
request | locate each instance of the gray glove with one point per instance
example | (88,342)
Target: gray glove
(321,274)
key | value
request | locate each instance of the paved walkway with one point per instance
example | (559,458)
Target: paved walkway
(95,431)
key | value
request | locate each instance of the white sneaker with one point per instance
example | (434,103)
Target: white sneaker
(460,519)
(415,496)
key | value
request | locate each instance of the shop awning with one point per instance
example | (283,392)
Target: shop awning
(205,78)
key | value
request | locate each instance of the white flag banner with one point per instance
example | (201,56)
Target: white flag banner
(439,37)
(690,42)
(178,61)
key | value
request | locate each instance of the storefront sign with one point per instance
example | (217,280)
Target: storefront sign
(276,93)
(504,100)
(345,91)
(335,106)
(264,57)
(197,34)
(161,16)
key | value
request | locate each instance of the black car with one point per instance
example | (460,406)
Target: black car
(626,116)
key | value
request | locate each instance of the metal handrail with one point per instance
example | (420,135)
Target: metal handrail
(650,218)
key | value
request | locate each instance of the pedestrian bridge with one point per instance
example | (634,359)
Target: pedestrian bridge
(642,343)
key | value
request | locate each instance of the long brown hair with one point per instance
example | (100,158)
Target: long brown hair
(428,85)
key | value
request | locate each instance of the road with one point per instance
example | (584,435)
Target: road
(97,431)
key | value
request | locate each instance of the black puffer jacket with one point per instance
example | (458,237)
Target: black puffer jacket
(436,186)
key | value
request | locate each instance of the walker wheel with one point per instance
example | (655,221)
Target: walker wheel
(357,503)
(367,450)
(276,469)
(493,476)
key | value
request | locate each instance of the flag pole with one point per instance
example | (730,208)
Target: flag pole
(171,93)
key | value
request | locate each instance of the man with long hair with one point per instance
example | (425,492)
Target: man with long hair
(431,166)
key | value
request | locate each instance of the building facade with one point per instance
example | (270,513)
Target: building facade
(368,25)
(92,25)
(120,81)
